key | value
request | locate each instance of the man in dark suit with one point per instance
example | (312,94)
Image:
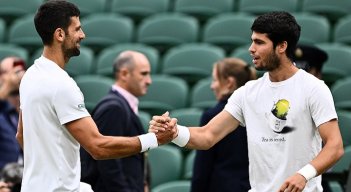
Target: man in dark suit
(117,115)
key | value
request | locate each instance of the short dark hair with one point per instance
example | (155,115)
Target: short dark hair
(51,15)
(279,26)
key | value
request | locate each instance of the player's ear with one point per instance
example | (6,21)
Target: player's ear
(282,46)
(59,34)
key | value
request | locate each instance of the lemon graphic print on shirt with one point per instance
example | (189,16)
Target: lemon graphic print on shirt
(281,109)
(278,115)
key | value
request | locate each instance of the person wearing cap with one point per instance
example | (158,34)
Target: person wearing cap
(310,59)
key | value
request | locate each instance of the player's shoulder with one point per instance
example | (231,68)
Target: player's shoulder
(307,79)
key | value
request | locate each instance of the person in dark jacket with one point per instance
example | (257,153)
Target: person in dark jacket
(117,115)
(224,167)
(11,73)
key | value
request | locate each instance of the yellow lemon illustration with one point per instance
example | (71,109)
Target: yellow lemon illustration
(281,108)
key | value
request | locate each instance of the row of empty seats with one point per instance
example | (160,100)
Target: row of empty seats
(165,93)
(200,8)
(163,30)
(190,61)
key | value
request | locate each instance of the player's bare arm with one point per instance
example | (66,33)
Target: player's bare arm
(19,134)
(84,130)
(329,155)
(201,137)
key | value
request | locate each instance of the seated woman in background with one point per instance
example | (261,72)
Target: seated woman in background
(224,167)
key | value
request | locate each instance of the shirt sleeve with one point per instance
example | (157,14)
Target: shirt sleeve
(235,105)
(322,104)
(69,104)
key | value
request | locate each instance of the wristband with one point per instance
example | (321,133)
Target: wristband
(183,136)
(148,141)
(308,171)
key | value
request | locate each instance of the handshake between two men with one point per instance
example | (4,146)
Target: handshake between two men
(166,130)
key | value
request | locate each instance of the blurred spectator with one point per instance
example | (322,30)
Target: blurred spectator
(117,115)
(11,72)
(12,176)
(216,169)
(310,59)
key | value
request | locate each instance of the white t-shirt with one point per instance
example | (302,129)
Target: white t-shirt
(49,99)
(279,147)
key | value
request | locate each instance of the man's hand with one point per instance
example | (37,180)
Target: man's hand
(164,127)
(295,183)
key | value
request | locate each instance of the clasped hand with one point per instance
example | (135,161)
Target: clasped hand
(164,127)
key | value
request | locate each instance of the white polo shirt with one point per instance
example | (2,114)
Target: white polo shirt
(49,99)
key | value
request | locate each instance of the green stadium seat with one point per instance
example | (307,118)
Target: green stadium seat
(145,118)
(338,64)
(333,10)
(35,55)
(338,175)
(78,65)
(342,32)
(165,164)
(2,30)
(93,88)
(243,53)
(23,33)
(7,50)
(222,30)
(166,93)
(103,30)
(139,9)
(335,186)
(191,62)
(314,28)
(82,64)
(187,116)
(344,163)
(201,95)
(341,91)
(107,56)
(258,7)
(189,164)
(203,9)
(173,186)
(344,118)
(167,29)
(13,9)
(88,7)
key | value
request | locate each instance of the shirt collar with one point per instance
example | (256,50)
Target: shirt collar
(131,99)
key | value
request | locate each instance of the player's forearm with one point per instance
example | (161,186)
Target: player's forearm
(115,147)
(200,139)
(19,134)
(330,154)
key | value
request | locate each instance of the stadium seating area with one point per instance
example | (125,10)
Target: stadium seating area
(182,39)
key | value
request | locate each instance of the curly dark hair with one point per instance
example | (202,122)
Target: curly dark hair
(279,26)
